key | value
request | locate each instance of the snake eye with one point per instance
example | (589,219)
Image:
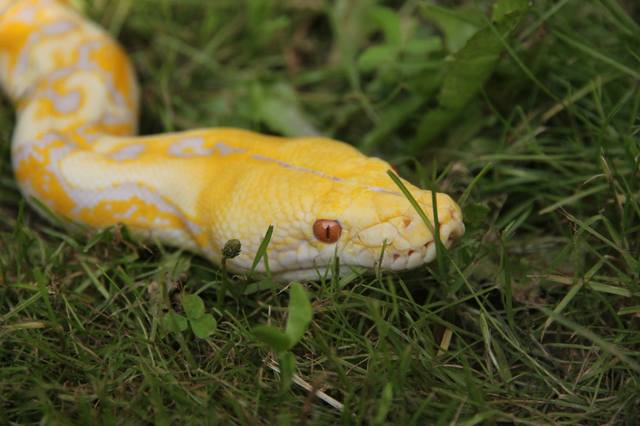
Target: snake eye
(327,231)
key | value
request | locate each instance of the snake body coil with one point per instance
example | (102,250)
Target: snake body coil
(74,149)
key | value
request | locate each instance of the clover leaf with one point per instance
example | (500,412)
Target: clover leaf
(201,323)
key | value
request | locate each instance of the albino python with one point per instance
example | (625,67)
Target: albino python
(75,149)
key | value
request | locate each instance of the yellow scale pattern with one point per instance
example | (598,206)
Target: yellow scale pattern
(75,150)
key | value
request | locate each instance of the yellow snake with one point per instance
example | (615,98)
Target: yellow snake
(75,149)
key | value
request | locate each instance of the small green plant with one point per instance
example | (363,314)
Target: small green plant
(202,324)
(230,250)
(281,342)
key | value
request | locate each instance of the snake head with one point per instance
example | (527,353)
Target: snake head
(396,236)
(327,201)
(379,228)
(320,210)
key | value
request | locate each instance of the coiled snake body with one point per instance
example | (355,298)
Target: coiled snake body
(74,149)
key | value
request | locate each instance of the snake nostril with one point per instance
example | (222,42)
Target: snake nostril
(411,252)
(406,221)
(396,256)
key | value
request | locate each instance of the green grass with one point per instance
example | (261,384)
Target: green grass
(533,317)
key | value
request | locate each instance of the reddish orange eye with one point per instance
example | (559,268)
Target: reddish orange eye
(327,231)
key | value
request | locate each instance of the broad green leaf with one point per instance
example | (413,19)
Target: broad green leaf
(204,326)
(458,26)
(389,21)
(502,9)
(300,313)
(193,306)
(278,108)
(423,46)
(174,322)
(376,56)
(469,70)
(275,338)
(287,363)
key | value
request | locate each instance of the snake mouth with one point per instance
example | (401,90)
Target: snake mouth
(406,242)
(390,259)
(397,260)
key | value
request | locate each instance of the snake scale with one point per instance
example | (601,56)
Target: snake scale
(75,150)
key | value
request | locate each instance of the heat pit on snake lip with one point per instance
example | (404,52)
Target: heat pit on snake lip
(399,257)
(448,231)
